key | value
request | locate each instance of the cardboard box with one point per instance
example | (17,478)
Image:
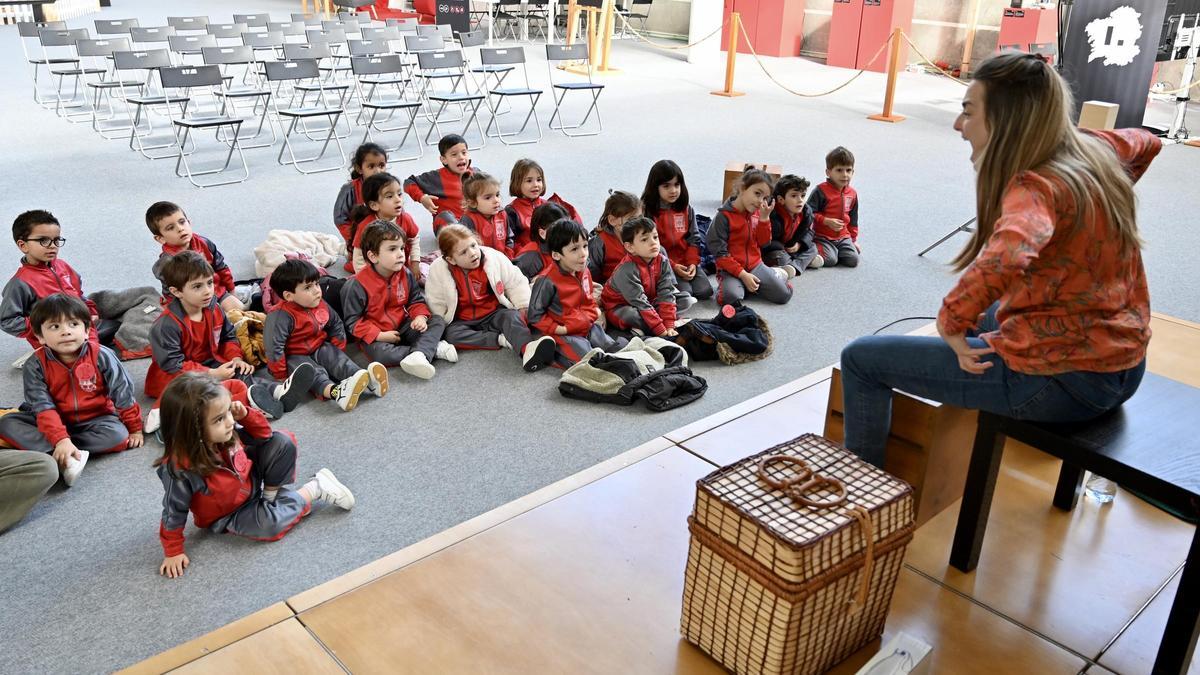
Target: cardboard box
(734,170)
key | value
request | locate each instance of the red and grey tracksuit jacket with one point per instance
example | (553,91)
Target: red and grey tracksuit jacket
(95,384)
(532,259)
(476,297)
(348,197)
(562,299)
(789,230)
(679,236)
(826,201)
(605,252)
(494,231)
(443,185)
(31,283)
(181,345)
(736,238)
(222,275)
(372,304)
(406,224)
(294,330)
(521,216)
(648,287)
(210,497)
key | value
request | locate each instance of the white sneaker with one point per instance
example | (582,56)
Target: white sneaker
(538,354)
(74,468)
(789,270)
(153,421)
(346,392)
(781,273)
(20,363)
(816,263)
(378,382)
(417,365)
(504,343)
(684,302)
(446,352)
(332,490)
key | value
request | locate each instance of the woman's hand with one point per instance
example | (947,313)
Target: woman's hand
(969,358)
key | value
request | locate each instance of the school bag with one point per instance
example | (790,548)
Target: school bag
(707,262)
(652,370)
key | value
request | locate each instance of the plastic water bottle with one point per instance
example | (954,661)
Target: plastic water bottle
(1100,488)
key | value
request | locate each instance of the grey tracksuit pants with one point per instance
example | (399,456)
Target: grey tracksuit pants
(484,333)
(275,465)
(840,252)
(771,287)
(104,433)
(410,341)
(330,363)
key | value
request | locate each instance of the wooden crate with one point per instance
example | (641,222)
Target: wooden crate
(929,446)
(734,170)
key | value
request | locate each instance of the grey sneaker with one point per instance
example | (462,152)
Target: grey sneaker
(332,490)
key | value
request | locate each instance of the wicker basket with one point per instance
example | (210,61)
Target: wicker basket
(793,559)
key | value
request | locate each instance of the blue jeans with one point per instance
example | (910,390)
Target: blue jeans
(927,367)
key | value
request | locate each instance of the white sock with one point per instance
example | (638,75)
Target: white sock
(269,493)
(313,488)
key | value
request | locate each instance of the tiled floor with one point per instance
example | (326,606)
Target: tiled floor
(586,576)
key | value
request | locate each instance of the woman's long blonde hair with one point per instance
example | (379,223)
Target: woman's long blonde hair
(1028,111)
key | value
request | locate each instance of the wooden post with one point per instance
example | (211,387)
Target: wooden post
(735,22)
(607,28)
(889,96)
(572,21)
(969,45)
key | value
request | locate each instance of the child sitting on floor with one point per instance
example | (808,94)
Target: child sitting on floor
(562,304)
(440,190)
(640,294)
(303,329)
(527,185)
(222,462)
(172,229)
(369,159)
(835,212)
(605,250)
(736,237)
(665,201)
(383,200)
(484,215)
(385,309)
(479,294)
(78,396)
(534,257)
(791,247)
(42,273)
(194,335)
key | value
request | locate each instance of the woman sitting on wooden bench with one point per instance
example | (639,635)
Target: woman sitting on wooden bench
(1050,318)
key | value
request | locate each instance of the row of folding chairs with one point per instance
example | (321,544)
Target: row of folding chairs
(294,69)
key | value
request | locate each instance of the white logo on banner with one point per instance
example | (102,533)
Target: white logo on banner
(1115,37)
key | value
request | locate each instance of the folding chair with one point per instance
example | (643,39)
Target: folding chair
(188,78)
(115,26)
(271,41)
(511,56)
(510,18)
(64,40)
(405,25)
(28,30)
(498,72)
(537,11)
(227,31)
(290,29)
(385,68)
(104,49)
(295,71)
(451,63)
(348,25)
(253,20)
(630,12)
(230,95)
(556,54)
(189,45)
(414,45)
(311,21)
(441,29)
(148,35)
(317,52)
(336,39)
(151,62)
(181,23)
(373,48)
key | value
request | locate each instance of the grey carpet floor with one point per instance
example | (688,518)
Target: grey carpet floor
(80,591)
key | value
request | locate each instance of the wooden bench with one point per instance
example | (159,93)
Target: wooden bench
(1150,445)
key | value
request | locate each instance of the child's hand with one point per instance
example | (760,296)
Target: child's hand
(136,440)
(238,410)
(64,449)
(173,566)
(671,333)
(835,223)
(794,248)
(420,324)
(599,313)
(240,366)
(223,371)
(682,272)
(389,336)
(749,281)
(428,202)
(560,330)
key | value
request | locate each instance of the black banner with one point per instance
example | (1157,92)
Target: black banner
(1109,55)
(455,13)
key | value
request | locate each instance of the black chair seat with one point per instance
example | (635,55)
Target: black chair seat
(114,84)
(310,112)
(438,76)
(377,81)
(325,87)
(391,104)
(493,69)
(202,122)
(455,97)
(43,62)
(157,100)
(514,92)
(578,85)
(243,92)
(79,71)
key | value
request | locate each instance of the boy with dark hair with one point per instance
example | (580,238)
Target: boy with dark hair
(385,308)
(835,211)
(304,330)
(193,334)
(791,247)
(171,228)
(78,397)
(42,273)
(440,190)
(640,294)
(561,303)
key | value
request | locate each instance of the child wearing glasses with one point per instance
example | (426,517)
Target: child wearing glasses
(42,273)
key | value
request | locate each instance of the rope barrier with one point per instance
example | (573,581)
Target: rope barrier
(1179,90)
(941,71)
(800,93)
(660,45)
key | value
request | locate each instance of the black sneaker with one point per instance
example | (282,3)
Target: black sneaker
(261,399)
(293,390)
(538,354)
